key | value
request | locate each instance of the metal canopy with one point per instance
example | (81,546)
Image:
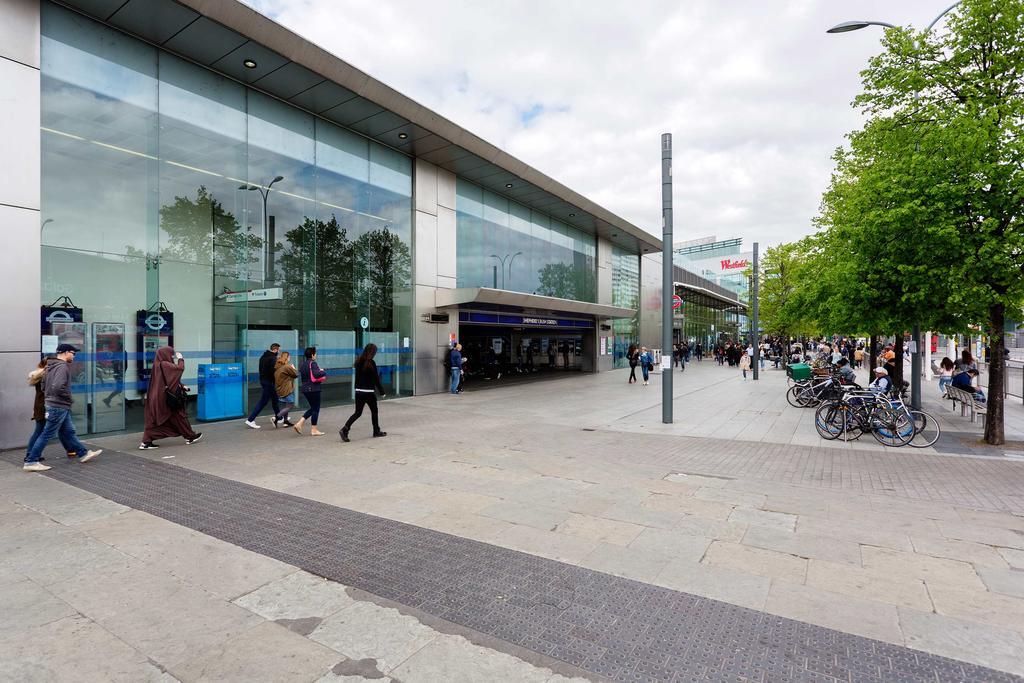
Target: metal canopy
(449,298)
(715,299)
(221,35)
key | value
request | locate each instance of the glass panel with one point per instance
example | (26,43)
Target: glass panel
(108,368)
(505,245)
(165,183)
(99,182)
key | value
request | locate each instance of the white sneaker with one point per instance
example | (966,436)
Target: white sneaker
(90,455)
(251,424)
(35,467)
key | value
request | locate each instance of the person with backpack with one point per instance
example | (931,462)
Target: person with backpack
(312,377)
(367,386)
(165,401)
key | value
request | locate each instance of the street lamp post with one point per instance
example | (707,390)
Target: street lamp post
(268,231)
(501,259)
(915,357)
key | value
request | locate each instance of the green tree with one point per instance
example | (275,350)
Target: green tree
(783,271)
(565,281)
(926,204)
(200,231)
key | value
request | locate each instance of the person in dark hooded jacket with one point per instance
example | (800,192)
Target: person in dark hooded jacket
(163,421)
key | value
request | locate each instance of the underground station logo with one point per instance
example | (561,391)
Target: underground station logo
(156,322)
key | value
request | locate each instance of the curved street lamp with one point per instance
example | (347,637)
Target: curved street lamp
(268,236)
(501,259)
(915,358)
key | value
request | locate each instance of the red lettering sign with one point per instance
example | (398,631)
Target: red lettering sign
(729,264)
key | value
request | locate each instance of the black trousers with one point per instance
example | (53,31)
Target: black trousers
(632,373)
(365,398)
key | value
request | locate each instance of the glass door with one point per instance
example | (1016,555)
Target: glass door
(108,367)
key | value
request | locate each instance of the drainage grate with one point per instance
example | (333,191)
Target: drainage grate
(611,627)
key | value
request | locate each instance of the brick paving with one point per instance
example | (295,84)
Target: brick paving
(610,627)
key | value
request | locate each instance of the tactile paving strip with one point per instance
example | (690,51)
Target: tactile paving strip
(612,627)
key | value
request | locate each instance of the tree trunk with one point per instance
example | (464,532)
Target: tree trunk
(872,353)
(996,376)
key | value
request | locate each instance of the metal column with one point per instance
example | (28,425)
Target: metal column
(754,323)
(667,280)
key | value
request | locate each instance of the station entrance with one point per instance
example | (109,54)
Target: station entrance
(502,348)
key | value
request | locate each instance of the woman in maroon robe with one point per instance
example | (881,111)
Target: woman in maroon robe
(161,421)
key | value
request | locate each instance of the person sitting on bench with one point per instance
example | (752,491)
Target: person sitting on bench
(964,381)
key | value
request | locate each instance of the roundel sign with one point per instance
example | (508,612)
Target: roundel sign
(677,302)
(155,322)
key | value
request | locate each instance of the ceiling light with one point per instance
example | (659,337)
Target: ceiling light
(572,215)
(250,63)
(508,185)
(403,136)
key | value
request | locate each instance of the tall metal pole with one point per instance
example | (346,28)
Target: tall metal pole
(915,369)
(755,323)
(667,279)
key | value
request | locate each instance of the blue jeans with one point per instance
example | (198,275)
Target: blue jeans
(58,423)
(646,370)
(268,394)
(943,383)
(456,374)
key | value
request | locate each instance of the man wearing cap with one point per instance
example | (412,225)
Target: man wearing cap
(57,403)
(881,383)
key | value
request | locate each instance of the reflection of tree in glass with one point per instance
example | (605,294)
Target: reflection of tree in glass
(382,264)
(319,254)
(194,228)
(566,282)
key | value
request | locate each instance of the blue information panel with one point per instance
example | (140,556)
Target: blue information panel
(221,387)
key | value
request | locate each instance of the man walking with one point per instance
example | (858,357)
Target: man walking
(57,404)
(268,390)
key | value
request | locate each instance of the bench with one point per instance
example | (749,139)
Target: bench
(967,402)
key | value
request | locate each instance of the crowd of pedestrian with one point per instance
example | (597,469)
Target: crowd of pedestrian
(166,399)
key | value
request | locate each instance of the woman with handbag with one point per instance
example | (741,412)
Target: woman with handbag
(165,401)
(311,376)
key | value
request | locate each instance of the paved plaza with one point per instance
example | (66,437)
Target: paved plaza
(541,532)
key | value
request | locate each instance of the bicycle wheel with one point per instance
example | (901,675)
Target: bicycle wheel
(892,428)
(793,393)
(830,420)
(926,429)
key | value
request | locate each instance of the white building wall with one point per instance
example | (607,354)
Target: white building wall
(19,214)
(433,269)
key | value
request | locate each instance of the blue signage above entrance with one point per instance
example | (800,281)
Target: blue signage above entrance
(522,320)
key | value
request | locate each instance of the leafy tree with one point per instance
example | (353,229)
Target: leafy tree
(200,231)
(926,204)
(783,271)
(382,264)
(565,281)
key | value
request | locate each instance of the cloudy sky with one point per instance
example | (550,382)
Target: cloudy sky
(756,94)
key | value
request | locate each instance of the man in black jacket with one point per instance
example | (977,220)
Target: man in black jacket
(268,390)
(57,402)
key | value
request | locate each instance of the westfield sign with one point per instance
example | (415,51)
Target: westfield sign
(729,264)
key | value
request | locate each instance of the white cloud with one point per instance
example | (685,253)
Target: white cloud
(755,93)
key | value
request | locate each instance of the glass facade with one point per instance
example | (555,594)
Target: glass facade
(703,320)
(625,293)
(505,245)
(159,196)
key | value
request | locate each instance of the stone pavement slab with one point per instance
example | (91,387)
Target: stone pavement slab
(265,651)
(947,516)
(566,613)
